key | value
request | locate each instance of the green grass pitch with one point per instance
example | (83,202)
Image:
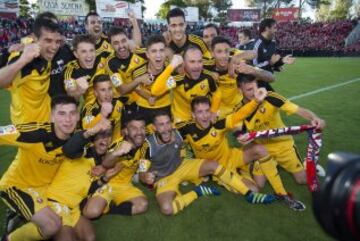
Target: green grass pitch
(229,217)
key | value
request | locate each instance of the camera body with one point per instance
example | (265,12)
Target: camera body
(336,204)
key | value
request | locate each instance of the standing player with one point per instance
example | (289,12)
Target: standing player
(267,116)
(94,27)
(177,38)
(223,66)
(208,141)
(195,82)
(79,74)
(148,73)
(168,169)
(121,65)
(27,75)
(120,196)
(23,186)
(210,31)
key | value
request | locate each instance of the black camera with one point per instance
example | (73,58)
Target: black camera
(336,204)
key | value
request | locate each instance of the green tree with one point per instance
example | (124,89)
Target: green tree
(221,6)
(341,9)
(165,7)
(24,8)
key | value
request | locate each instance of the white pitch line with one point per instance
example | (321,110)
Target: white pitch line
(324,89)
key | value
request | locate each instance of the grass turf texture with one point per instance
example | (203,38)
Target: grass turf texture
(229,217)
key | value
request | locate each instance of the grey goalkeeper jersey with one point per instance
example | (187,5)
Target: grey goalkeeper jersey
(165,158)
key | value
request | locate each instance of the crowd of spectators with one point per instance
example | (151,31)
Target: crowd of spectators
(291,36)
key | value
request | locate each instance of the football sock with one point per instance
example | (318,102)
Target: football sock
(182,201)
(27,232)
(231,179)
(124,208)
(268,167)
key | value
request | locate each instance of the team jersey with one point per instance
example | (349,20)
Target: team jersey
(73,180)
(73,70)
(162,100)
(130,163)
(39,154)
(120,70)
(230,95)
(211,143)
(267,115)
(30,101)
(103,47)
(63,56)
(185,89)
(90,115)
(191,39)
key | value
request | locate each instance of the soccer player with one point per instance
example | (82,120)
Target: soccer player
(76,179)
(195,82)
(79,74)
(94,27)
(176,37)
(226,66)
(267,116)
(210,31)
(120,196)
(208,141)
(122,63)
(105,106)
(23,186)
(27,74)
(148,73)
(265,48)
(168,169)
(245,40)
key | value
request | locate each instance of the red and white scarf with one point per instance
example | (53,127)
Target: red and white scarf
(313,148)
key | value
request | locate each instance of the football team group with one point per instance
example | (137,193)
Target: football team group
(94,119)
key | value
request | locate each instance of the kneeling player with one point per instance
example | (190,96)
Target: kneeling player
(120,196)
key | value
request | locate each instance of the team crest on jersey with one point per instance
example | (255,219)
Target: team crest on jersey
(202,86)
(5,130)
(100,65)
(88,119)
(136,60)
(195,136)
(262,110)
(213,133)
(105,46)
(170,83)
(116,80)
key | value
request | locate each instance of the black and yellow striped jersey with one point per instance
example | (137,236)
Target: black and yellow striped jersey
(129,162)
(30,101)
(267,115)
(187,89)
(73,180)
(211,143)
(120,70)
(39,154)
(191,39)
(103,47)
(73,71)
(90,115)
